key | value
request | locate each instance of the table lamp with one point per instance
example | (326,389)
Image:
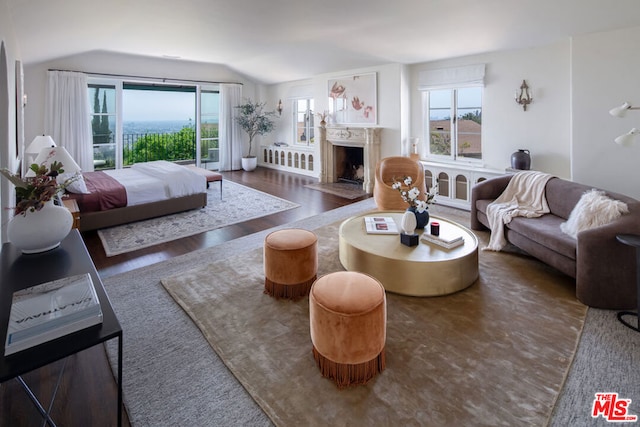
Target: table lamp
(34,148)
(48,155)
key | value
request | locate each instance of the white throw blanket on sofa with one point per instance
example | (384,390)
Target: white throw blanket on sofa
(524,196)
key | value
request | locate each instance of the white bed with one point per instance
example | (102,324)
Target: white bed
(145,190)
(158,180)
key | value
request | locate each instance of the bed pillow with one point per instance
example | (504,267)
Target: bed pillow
(593,210)
(76,186)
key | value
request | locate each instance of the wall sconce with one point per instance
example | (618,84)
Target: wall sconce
(524,98)
(621,111)
(279,107)
(627,138)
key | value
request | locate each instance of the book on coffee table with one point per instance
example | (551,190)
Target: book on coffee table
(446,239)
(380,225)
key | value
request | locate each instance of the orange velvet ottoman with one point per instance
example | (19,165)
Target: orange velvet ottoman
(348,320)
(290,263)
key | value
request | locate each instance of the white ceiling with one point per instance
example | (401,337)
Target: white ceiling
(273,41)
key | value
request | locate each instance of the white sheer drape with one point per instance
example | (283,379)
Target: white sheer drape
(230,137)
(67,115)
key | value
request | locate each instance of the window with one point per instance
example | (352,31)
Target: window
(209,123)
(158,122)
(453,123)
(139,122)
(102,99)
(303,121)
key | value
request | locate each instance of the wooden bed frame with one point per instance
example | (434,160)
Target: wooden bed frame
(109,218)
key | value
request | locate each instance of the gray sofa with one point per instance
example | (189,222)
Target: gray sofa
(604,269)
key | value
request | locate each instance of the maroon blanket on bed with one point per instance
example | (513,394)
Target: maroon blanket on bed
(106,193)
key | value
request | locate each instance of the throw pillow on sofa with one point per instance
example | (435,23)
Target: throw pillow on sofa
(593,210)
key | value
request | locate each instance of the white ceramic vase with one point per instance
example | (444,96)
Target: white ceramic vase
(41,230)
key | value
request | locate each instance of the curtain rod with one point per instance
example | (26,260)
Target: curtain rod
(128,76)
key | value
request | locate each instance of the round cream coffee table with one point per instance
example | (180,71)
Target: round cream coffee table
(423,270)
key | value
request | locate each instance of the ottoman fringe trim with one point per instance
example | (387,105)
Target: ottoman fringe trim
(344,374)
(294,291)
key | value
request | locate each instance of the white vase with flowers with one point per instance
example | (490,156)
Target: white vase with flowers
(38,224)
(418,204)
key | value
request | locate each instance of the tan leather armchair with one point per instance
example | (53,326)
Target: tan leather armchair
(396,168)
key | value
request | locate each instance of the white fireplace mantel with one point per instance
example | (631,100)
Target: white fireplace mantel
(367,138)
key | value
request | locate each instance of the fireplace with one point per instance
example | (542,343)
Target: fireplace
(350,154)
(349,164)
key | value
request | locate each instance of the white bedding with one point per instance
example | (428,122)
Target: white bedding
(155,181)
(141,188)
(179,180)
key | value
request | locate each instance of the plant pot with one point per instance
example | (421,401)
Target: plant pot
(249,163)
(41,230)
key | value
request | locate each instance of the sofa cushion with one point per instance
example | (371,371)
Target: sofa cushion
(545,230)
(593,210)
(562,196)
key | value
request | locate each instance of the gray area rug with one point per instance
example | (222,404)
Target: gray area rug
(451,360)
(172,376)
(342,189)
(238,204)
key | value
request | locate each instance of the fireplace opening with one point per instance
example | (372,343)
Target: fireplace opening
(349,164)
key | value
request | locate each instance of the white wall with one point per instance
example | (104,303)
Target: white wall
(389,100)
(8,154)
(605,73)
(543,129)
(35,77)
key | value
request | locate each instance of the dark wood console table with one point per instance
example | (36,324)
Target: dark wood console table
(19,271)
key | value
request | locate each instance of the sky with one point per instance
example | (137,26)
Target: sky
(146,105)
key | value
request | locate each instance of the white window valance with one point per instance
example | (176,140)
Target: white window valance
(446,78)
(300,92)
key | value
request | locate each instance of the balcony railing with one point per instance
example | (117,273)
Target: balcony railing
(146,147)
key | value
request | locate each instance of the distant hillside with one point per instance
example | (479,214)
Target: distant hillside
(160,126)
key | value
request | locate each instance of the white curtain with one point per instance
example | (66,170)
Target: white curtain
(230,137)
(67,115)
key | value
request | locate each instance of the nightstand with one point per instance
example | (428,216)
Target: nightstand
(72,206)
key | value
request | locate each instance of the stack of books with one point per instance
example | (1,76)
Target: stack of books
(447,241)
(380,225)
(51,310)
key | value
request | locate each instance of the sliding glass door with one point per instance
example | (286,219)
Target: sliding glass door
(209,125)
(141,122)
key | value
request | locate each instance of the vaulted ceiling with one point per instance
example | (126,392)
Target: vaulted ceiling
(273,41)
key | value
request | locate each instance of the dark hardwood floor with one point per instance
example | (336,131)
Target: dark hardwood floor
(88,392)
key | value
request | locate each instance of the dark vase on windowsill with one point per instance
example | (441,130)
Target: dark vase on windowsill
(521,160)
(422,219)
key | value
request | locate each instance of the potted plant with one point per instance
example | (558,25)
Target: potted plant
(38,225)
(255,121)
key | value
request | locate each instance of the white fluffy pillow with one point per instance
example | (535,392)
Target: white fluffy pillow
(592,210)
(77,186)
